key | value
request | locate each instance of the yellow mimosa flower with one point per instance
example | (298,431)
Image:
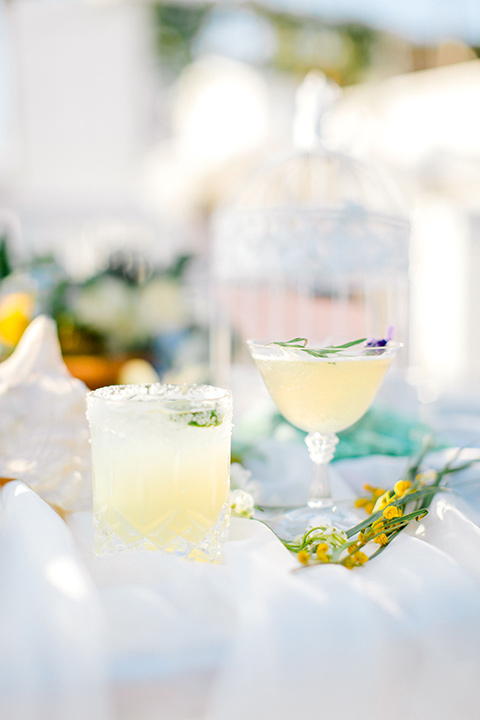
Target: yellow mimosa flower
(376,491)
(360,502)
(401,487)
(390,512)
(322,548)
(382,502)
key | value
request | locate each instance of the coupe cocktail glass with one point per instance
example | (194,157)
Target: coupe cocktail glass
(161,468)
(322,396)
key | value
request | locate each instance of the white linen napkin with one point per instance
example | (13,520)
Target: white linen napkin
(170,622)
(52,661)
(145,635)
(400,636)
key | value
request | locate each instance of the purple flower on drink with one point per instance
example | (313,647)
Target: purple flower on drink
(373,342)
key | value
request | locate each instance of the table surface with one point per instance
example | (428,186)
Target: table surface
(138,636)
(145,635)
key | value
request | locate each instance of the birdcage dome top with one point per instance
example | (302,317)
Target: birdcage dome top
(320,179)
(314,175)
(313,209)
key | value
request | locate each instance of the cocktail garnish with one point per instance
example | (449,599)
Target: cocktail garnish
(374,343)
(325,352)
(205,418)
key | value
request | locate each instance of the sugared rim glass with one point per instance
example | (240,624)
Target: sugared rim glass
(173,396)
(361,351)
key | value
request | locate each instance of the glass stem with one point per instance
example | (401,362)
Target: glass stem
(321,448)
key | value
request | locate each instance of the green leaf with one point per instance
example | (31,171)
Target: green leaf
(5,264)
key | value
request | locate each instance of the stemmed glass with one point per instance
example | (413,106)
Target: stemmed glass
(321,391)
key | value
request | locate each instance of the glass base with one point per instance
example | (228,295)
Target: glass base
(340,513)
(113,532)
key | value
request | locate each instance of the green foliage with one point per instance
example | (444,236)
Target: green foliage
(176,27)
(5,264)
(299,39)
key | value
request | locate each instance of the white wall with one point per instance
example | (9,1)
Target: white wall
(79,73)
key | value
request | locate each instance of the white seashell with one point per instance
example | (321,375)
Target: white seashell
(44,435)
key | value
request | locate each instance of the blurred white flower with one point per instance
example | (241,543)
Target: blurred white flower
(108,307)
(241,504)
(161,306)
(329,534)
(428,476)
(127,315)
(137,370)
(241,479)
(239,476)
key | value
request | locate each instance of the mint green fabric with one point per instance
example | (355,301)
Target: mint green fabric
(382,432)
(379,432)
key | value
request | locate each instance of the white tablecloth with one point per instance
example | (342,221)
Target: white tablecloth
(142,636)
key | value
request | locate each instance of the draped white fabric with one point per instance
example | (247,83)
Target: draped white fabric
(144,635)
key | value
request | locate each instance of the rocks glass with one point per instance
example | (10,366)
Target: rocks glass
(161,468)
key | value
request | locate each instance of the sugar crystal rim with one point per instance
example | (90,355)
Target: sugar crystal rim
(160,392)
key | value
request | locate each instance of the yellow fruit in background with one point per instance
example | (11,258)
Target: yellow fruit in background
(16,311)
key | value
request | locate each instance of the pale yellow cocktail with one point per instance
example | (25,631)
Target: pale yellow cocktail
(321,390)
(320,394)
(161,468)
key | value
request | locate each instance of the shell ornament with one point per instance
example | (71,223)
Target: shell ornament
(44,435)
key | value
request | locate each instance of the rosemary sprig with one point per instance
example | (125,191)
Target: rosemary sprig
(325,352)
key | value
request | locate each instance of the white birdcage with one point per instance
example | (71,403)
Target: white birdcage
(314,245)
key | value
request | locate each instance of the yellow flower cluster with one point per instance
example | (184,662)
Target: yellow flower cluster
(390,512)
(318,545)
(303,557)
(319,554)
(353,557)
(349,554)
(378,500)
(368,502)
(402,487)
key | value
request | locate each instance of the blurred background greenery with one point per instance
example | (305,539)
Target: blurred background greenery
(124,126)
